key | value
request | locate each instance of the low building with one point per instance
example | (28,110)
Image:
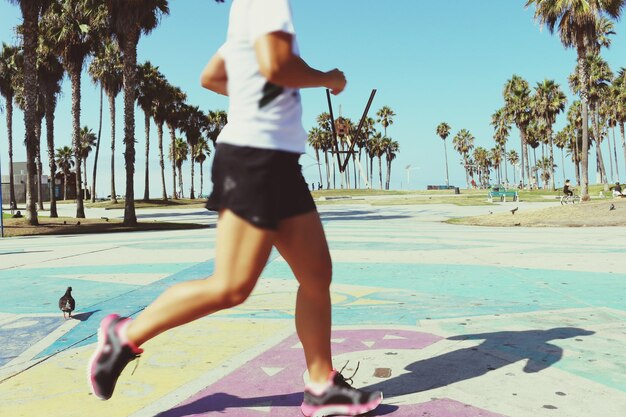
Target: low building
(19,184)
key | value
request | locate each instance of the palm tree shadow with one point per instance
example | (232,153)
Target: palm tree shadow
(498,349)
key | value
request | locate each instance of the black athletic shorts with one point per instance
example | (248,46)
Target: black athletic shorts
(262,186)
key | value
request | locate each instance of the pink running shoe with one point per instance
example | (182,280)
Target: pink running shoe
(112,354)
(339,398)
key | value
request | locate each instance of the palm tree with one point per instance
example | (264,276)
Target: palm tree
(178,154)
(502,128)
(8,72)
(195,122)
(128,19)
(50,74)
(481,160)
(546,166)
(548,102)
(148,84)
(172,108)
(392,148)
(598,87)
(443,131)
(560,141)
(578,26)
(87,140)
(200,154)
(463,143)
(217,120)
(495,160)
(106,69)
(517,100)
(159,114)
(76,27)
(513,158)
(385,117)
(619,94)
(31,12)
(64,159)
(315,138)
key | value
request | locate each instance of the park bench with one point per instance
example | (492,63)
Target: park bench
(502,193)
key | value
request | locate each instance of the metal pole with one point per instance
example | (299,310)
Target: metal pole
(358,129)
(334,131)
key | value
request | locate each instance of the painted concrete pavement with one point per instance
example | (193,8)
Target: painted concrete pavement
(445,320)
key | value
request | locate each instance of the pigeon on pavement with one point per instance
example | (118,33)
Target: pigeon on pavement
(67,303)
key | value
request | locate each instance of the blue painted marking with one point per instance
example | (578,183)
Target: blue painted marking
(14,341)
(125,304)
(38,290)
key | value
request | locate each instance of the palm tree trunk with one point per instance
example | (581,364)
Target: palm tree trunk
(192,193)
(146,192)
(9,119)
(39,166)
(161,161)
(74,71)
(585,120)
(623,134)
(201,178)
(445,152)
(465,163)
(30,13)
(173,147)
(328,169)
(64,185)
(599,159)
(380,170)
(49,109)
(130,72)
(95,162)
(563,163)
(551,144)
(615,154)
(85,171)
(608,140)
(180,180)
(319,166)
(388,173)
(371,172)
(112,115)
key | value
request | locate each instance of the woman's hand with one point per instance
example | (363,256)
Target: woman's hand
(336,82)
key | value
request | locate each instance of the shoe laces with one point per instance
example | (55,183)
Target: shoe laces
(136,359)
(347,382)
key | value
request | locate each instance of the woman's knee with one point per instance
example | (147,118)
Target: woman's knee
(318,278)
(232,295)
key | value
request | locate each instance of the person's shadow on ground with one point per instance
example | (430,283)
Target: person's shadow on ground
(498,349)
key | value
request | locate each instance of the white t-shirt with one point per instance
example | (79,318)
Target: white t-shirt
(261,114)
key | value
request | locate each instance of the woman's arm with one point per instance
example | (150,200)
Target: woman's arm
(280,66)
(214,76)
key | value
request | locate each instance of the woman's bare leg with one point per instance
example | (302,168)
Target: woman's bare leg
(301,241)
(241,253)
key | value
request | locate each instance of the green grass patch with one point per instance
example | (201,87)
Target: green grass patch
(152,204)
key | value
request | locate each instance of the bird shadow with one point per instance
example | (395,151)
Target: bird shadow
(497,350)
(84,316)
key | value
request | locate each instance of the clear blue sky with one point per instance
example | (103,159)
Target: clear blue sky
(430,61)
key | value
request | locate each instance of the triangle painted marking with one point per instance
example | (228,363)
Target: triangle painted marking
(368,343)
(392,337)
(271,371)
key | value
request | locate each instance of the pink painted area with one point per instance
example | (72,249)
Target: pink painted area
(250,392)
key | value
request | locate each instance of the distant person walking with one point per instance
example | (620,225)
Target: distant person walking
(262,200)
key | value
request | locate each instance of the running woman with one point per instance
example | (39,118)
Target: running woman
(262,200)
